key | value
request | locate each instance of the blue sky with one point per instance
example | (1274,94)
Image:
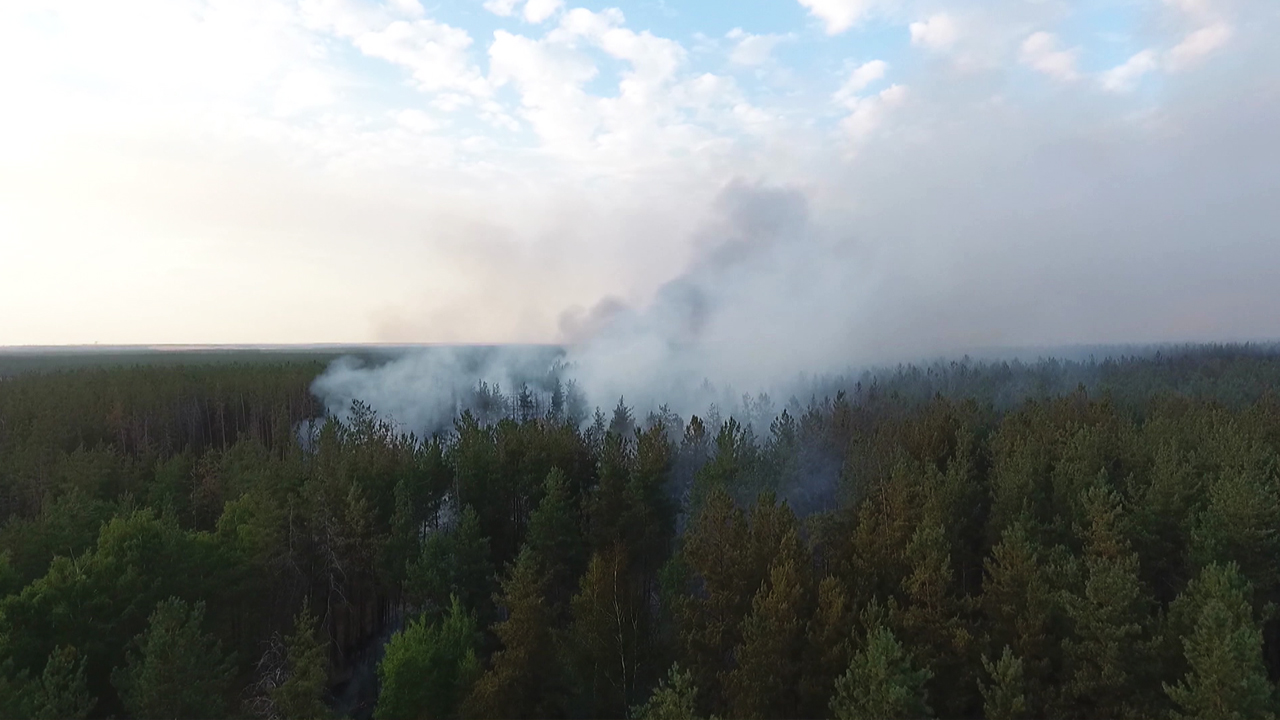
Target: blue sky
(498,170)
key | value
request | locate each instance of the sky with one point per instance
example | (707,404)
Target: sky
(806,179)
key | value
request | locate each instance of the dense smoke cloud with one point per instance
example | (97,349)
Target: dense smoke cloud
(1160,230)
(421,392)
(983,214)
(741,319)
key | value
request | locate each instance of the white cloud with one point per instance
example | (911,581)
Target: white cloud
(866,114)
(1198,9)
(408,8)
(343,18)
(838,15)
(752,116)
(549,78)
(861,77)
(1193,48)
(653,59)
(1042,52)
(869,113)
(752,50)
(303,90)
(937,32)
(502,8)
(451,101)
(581,22)
(1196,46)
(657,113)
(1125,76)
(538,11)
(435,53)
(706,91)
(416,121)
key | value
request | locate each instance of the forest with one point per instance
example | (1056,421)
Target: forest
(1000,540)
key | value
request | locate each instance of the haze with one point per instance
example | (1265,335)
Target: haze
(779,185)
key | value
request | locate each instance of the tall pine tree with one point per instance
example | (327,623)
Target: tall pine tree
(675,698)
(1004,695)
(1019,606)
(555,534)
(1226,678)
(175,670)
(302,693)
(934,621)
(766,679)
(1109,653)
(524,677)
(609,635)
(826,650)
(881,682)
(62,693)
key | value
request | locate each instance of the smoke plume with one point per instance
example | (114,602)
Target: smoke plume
(976,222)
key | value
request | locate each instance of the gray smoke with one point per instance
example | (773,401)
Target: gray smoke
(422,391)
(738,321)
(975,223)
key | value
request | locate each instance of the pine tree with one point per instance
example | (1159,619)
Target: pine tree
(607,504)
(555,412)
(453,562)
(62,693)
(765,681)
(961,500)
(772,532)
(826,652)
(522,681)
(622,423)
(526,404)
(175,670)
(1004,697)
(881,683)
(1162,519)
(403,540)
(728,465)
(1019,605)
(1107,657)
(608,635)
(1226,679)
(301,695)
(595,435)
(886,521)
(675,698)
(709,622)
(428,667)
(17,691)
(1239,525)
(932,621)
(556,536)
(651,515)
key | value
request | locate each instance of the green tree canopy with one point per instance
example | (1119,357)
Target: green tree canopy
(1004,695)
(675,698)
(525,675)
(175,669)
(428,667)
(301,695)
(881,683)
(1226,679)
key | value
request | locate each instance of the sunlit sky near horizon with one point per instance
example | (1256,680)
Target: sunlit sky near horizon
(309,171)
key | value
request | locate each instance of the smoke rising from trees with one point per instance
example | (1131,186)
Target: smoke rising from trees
(970,225)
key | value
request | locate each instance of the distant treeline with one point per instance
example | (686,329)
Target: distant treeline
(23,361)
(973,540)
